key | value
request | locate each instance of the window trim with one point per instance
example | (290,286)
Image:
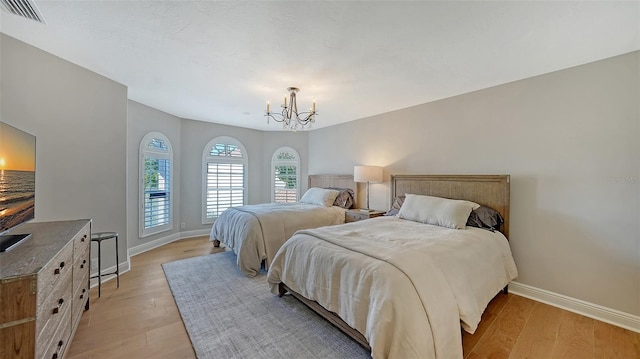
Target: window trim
(206,158)
(275,161)
(144,153)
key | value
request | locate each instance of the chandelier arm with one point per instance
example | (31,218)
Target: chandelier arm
(273,116)
(308,118)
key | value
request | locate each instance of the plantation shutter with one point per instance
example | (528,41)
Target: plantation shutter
(225,164)
(156,183)
(225,187)
(156,192)
(285,175)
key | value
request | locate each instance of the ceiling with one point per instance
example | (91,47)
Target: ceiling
(219,61)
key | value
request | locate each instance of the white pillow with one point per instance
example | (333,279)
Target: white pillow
(322,196)
(442,212)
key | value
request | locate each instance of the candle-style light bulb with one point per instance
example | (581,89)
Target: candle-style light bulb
(268,106)
(285,100)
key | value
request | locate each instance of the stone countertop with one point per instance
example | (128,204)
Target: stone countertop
(46,240)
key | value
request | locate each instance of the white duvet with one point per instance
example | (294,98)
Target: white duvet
(256,232)
(406,286)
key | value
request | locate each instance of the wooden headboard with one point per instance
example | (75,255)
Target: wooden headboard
(488,190)
(334,181)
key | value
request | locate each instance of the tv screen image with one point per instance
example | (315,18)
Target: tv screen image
(17,176)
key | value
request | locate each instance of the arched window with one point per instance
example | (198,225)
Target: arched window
(224,179)
(156,157)
(285,175)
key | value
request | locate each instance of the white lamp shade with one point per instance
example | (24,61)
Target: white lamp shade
(372,174)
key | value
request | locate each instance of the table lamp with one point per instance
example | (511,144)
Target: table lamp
(369,174)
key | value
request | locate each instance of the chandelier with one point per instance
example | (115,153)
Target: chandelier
(290,117)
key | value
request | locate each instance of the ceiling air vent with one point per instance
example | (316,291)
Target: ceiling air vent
(24,8)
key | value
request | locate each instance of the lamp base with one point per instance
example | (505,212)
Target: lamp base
(367,210)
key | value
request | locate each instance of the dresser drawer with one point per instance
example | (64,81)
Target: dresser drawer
(81,269)
(58,340)
(50,313)
(81,242)
(356,215)
(80,297)
(49,276)
(353,217)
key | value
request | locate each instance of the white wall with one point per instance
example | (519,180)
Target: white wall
(569,140)
(79,119)
(142,120)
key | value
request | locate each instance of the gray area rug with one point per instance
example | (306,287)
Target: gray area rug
(229,315)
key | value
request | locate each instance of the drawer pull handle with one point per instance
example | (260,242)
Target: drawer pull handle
(83,238)
(57,309)
(83,263)
(60,343)
(57,271)
(55,356)
(81,296)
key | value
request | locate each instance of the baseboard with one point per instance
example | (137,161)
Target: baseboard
(594,311)
(134,251)
(124,268)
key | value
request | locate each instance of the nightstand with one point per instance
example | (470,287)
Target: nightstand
(354,215)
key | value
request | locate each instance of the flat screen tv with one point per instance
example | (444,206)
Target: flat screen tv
(17,183)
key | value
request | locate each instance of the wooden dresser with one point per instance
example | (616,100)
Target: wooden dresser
(44,288)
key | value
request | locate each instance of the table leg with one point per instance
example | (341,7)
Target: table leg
(117,264)
(99,268)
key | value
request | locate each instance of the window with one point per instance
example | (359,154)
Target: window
(224,164)
(285,175)
(156,157)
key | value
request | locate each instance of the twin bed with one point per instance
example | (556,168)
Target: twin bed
(400,287)
(256,232)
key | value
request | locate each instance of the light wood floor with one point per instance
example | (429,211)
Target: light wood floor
(140,320)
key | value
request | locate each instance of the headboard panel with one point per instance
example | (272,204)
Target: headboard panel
(487,190)
(335,181)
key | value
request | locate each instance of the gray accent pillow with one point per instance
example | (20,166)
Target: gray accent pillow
(395,206)
(344,198)
(485,217)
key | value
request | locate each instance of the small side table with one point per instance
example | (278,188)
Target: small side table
(98,238)
(354,215)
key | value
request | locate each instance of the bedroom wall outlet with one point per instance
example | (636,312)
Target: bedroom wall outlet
(183,225)
(94,264)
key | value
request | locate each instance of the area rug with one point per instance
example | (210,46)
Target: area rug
(229,315)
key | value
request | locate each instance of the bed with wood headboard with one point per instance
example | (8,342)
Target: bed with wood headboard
(399,287)
(256,232)
(489,190)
